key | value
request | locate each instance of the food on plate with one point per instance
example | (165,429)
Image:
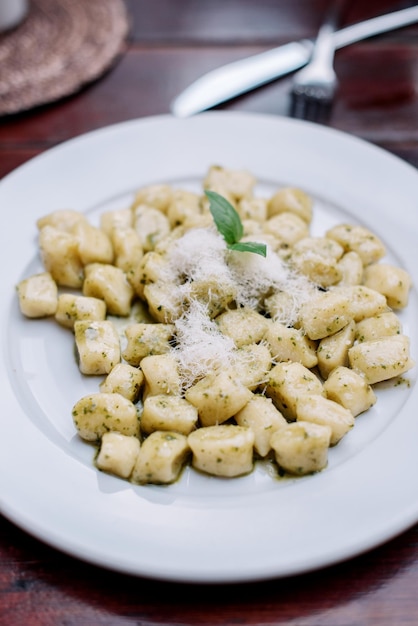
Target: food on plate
(222,450)
(38,295)
(245,335)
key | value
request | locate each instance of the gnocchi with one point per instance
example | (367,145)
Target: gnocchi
(212,355)
(38,295)
(225,450)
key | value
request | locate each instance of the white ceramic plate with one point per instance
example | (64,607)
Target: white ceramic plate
(200,529)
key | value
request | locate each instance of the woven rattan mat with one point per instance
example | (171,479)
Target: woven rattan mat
(61,46)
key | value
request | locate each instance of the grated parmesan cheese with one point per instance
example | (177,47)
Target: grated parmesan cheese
(201,347)
(202,254)
(197,255)
(258,277)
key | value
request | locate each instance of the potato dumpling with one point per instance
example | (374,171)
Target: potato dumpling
(287,383)
(287,228)
(355,238)
(283,307)
(252,227)
(243,325)
(381,359)
(321,246)
(293,200)
(320,270)
(225,450)
(183,204)
(326,412)
(161,458)
(216,292)
(236,183)
(146,339)
(98,347)
(378,326)
(93,244)
(332,351)
(317,258)
(111,220)
(262,417)
(351,268)
(99,413)
(349,389)
(124,379)
(38,295)
(118,454)
(252,364)
(164,412)
(110,284)
(128,251)
(72,308)
(64,220)
(161,375)
(150,269)
(252,209)
(393,282)
(157,196)
(60,256)
(301,447)
(151,226)
(326,313)
(290,344)
(217,397)
(364,301)
(162,302)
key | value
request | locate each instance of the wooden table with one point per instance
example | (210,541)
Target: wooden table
(172,42)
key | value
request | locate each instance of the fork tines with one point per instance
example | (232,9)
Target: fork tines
(312,103)
(314,86)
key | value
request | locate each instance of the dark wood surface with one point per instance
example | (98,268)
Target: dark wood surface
(172,42)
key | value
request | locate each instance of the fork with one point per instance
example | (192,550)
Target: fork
(314,86)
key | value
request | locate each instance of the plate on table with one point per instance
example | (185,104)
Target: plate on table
(200,529)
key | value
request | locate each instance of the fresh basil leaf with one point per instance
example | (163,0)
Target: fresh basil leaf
(249,246)
(226,218)
(229,224)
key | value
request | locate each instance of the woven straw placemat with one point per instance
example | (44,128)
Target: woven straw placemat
(61,46)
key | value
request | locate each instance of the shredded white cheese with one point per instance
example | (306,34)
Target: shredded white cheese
(199,254)
(201,347)
(202,254)
(258,277)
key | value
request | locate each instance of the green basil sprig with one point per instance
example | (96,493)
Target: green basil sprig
(229,224)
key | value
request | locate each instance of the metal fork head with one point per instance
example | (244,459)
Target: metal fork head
(313,100)
(314,86)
